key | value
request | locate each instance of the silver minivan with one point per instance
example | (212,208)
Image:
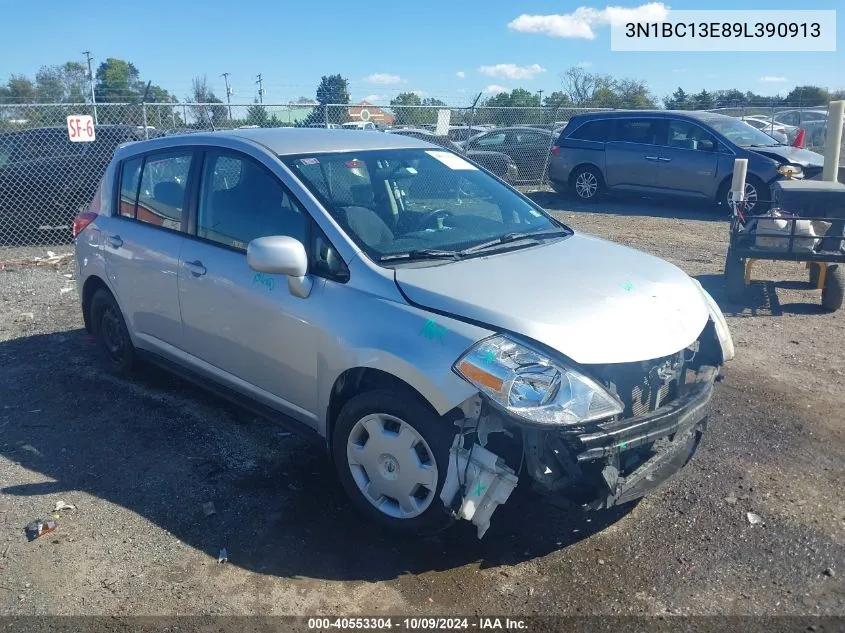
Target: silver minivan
(443,337)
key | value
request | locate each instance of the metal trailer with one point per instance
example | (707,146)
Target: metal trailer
(815,205)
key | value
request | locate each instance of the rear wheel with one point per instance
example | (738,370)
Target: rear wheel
(834,287)
(110,332)
(734,277)
(391,454)
(587,183)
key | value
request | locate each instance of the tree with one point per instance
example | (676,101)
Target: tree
(65,83)
(257,115)
(808,96)
(603,91)
(704,101)
(406,115)
(206,111)
(118,81)
(333,89)
(19,89)
(837,95)
(678,101)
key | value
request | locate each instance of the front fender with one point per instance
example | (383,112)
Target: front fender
(415,346)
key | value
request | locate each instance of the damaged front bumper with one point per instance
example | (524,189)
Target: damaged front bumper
(611,463)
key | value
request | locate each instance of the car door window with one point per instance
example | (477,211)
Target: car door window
(161,196)
(592,131)
(637,131)
(531,138)
(130,177)
(491,140)
(241,200)
(687,135)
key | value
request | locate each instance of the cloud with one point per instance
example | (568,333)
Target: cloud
(373,98)
(771,78)
(495,89)
(382,78)
(512,71)
(582,22)
(460,74)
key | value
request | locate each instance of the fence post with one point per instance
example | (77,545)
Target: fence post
(326,115)
(144,113)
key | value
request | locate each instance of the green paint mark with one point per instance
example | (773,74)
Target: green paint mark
(489,356)
(627,286)
(479,489)
(432,331)
(264,280)
(623,445)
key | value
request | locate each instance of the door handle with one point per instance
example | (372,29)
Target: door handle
(114,241)
(651,158)
(196,268)
(665,160)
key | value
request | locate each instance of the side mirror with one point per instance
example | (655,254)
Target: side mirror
(278,255)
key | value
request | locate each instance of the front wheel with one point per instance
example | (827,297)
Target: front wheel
(391,454)
(757,196)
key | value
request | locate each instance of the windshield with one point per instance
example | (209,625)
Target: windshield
(740,133)
(406,201)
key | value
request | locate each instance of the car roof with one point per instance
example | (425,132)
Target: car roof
(697,115)
(289,141)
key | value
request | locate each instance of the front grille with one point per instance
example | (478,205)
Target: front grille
(643,386)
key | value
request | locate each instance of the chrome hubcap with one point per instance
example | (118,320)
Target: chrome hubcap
(392,465)
(586,185)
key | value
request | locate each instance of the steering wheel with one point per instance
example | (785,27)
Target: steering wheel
(424,220)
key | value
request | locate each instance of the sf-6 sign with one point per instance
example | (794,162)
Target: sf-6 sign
(80,128)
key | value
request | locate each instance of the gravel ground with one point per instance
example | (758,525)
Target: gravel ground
(138,459)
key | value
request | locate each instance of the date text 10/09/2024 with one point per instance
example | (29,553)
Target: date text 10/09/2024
(418,624)
(723,29)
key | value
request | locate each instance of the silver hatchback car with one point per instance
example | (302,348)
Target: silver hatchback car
(442,336)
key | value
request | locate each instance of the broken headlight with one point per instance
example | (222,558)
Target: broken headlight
(532,386)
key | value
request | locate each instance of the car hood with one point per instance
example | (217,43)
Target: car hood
(592,300)
(794,155)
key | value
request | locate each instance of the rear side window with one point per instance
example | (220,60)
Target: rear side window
(637,131)
(592,131)
(130,177)
(153,188)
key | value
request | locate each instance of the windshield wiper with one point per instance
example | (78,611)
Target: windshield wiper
(422,253)
(514,237)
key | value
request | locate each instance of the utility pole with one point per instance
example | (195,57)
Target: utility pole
(540,105)
(91,84)
(228,94)
(260,89)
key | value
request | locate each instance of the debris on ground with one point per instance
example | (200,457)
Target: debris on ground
(208,508)
(753,519)
(63,505)
(731,500)
(39,528)
(63,291)
(829,572)
(223,556)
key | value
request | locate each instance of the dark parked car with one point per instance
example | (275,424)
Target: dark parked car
(672,152)
(528,147)
(45,179)
(497,163)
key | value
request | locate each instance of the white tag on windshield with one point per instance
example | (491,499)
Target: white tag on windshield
(452,161)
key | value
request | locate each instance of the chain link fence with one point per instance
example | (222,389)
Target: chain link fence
(46,179)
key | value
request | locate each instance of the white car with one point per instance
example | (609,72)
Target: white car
(360,125)
(775,130)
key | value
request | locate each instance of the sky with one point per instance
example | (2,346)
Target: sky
(450,50)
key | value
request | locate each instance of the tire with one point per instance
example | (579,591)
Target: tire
(110,333)
(394,415)
(834,287)
(753,187)
(734,277)
(587,183)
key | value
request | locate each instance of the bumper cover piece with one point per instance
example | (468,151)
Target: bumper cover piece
(616,462)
